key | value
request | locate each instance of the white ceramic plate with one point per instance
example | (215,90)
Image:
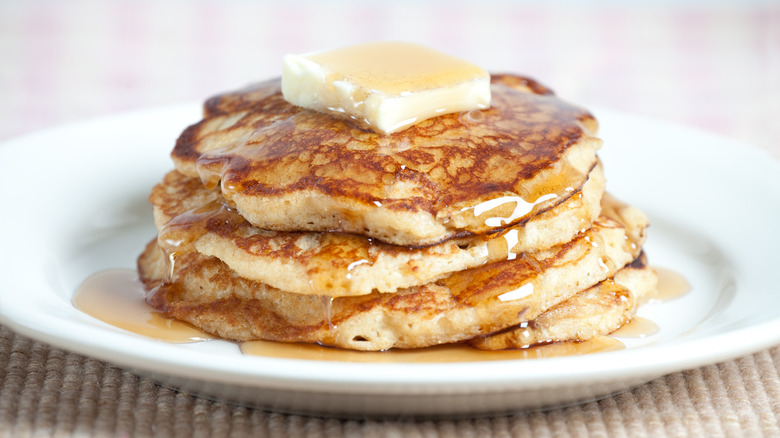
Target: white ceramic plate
(74,203)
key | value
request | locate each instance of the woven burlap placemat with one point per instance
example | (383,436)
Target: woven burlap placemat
(49,392)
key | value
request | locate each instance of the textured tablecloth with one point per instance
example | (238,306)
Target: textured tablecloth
(711,65)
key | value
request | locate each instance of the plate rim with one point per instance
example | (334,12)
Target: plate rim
(497,382)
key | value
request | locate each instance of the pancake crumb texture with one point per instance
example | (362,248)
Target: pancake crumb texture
(492,227)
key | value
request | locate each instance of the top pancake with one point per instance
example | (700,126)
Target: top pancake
(287,168)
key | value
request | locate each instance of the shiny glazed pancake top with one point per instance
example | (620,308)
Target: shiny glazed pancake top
(286,168)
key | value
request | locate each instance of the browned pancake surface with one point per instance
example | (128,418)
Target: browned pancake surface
(599,310)
(340,264)
(478,301)
(286,168)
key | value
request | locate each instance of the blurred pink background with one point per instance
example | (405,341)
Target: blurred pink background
(713,65)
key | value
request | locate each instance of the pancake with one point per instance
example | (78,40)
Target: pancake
(288,169)
(205,292)
(340,264)
(489,226)
(599,310)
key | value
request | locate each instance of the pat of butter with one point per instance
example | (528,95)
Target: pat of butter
(387,86)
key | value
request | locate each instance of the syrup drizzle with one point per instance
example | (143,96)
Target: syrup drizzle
(327,307)
(521,209)
(180,234)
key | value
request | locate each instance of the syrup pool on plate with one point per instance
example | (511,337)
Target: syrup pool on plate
(671,285)
(638,327)
(117,297)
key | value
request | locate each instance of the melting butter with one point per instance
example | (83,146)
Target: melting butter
(386,86)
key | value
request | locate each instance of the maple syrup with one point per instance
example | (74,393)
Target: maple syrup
(436,354)
(117,297)
(638,327)
(671,285)
(527,154)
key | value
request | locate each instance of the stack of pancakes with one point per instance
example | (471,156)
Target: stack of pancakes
(490,227)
